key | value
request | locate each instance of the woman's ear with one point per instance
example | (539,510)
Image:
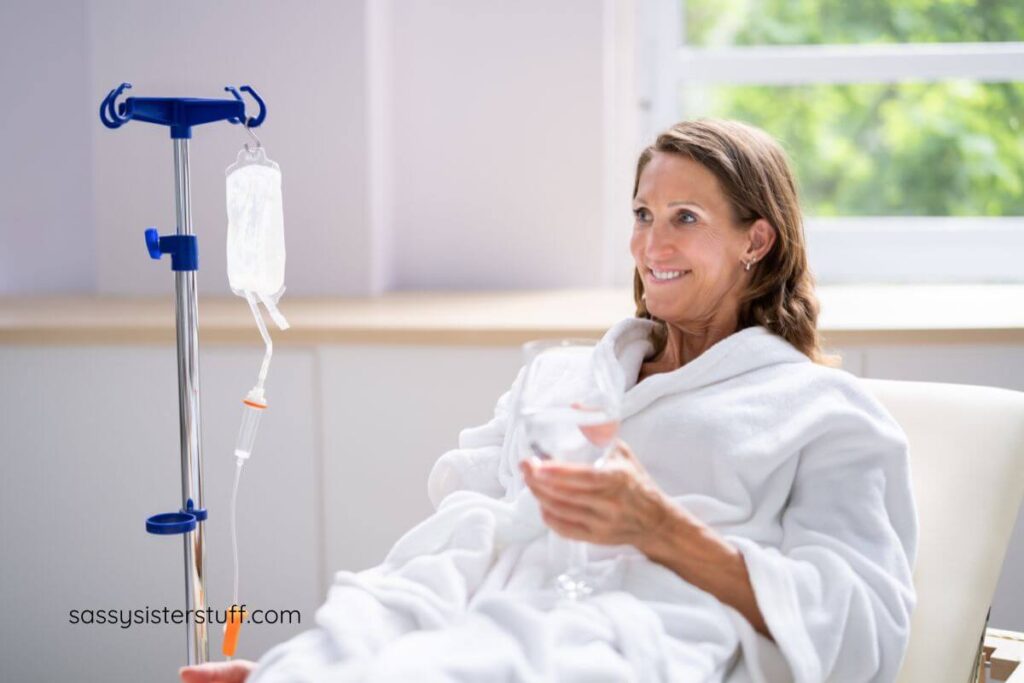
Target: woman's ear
(760,239)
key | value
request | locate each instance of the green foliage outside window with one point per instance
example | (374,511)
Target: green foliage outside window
(954,148)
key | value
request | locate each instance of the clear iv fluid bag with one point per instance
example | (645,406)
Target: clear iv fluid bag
(255,250)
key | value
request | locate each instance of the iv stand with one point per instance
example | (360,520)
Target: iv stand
(181,114)
(189,414)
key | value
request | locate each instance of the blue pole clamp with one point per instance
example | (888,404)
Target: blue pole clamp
(171,523)
(191,509)
(184,249)
(180,522)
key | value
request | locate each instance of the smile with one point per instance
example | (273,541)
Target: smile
(660,276)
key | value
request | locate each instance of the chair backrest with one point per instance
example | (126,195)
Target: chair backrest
(967,464)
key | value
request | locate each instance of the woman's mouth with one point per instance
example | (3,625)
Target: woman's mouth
(663,276)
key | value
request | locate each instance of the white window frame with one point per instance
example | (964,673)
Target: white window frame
(844,250)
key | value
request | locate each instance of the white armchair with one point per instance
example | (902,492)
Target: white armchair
(967,460)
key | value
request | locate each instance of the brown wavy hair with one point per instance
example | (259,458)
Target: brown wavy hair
(755,175)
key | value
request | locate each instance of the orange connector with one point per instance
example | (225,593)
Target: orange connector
(235,617)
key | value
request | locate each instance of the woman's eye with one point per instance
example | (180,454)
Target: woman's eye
(644,216)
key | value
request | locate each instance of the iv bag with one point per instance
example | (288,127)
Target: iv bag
(255,225)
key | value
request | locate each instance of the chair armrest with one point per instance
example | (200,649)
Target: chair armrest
(1003,652)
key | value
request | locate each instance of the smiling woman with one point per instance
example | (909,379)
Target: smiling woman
(753,521)
(718,241)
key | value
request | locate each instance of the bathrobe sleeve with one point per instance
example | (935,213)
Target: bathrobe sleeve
(837,595)
(475,464)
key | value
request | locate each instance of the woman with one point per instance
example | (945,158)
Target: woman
(755,522)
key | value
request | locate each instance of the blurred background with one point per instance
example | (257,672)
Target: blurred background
(934,132)
(457,179)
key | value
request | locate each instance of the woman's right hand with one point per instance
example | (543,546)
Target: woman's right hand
(217,672)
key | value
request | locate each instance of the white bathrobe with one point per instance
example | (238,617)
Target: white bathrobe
(792,462)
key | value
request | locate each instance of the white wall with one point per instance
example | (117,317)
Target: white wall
(47,116)
(90,450)
(458,144)
(382,433)
(309,65)
(498,144)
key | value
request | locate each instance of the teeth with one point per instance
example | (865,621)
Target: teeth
(665,274)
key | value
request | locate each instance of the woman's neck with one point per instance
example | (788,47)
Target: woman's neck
(683,344)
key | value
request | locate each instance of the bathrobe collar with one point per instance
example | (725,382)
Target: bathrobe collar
(750,349)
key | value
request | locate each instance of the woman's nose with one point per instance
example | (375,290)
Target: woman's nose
(659,242)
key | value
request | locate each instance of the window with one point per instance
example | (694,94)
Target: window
(904,120)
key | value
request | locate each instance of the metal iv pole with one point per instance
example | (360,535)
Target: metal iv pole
(181,114)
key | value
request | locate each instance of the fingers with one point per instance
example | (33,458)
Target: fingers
(560,498)
(570,476)
(570,515)
(595,505)
(217,672)
(571,511)
(576,515)
(567,528)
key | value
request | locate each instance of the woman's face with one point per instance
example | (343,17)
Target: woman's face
(684,231)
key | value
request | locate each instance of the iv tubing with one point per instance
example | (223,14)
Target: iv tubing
(234,532)
(234,527)
(255,404)
(266,339)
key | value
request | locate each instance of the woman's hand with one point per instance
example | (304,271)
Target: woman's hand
(620,503)
(217,672)
(616,504)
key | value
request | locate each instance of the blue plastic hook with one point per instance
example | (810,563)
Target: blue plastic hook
(181,114)
(249,122)
(108,111)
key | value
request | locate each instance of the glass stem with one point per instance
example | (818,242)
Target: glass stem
(577,564)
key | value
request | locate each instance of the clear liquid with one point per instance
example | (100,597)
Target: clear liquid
(247,431)
(255,245)
(573,434)
(568,433)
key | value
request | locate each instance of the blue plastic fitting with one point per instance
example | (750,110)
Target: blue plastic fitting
(171,523)
(180,522)
(178,113)
(184,249)
(198,513)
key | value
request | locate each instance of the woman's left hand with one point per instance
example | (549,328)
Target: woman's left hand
(616,504)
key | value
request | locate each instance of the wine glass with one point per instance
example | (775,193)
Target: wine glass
(575,425)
